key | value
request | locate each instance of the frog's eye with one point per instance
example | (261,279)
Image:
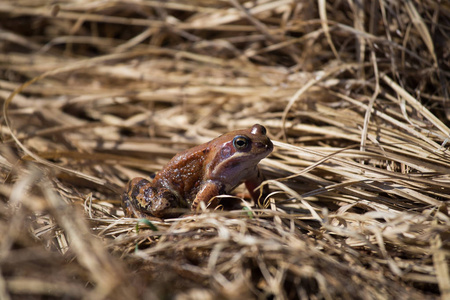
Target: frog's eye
(241,142)
(263,130)
(258,129)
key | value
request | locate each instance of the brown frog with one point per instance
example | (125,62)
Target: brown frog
(201,173)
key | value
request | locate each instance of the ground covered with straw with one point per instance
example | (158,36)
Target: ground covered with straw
(354,94)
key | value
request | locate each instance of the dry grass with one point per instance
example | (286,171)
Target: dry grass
(355,98)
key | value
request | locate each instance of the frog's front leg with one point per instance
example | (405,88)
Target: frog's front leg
(252,184)
(142,199)
(207,192)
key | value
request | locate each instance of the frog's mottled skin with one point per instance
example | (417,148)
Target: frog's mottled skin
(201,173)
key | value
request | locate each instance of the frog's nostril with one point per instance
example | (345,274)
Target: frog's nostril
(262,145)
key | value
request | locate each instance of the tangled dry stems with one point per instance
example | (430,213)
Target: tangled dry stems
(354,97)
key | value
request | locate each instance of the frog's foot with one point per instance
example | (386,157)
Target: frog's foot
(210,204)
(141,200)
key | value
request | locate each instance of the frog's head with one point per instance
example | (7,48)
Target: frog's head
(238,152)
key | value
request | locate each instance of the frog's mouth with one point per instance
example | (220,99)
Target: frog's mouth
(251,158)
(240,163)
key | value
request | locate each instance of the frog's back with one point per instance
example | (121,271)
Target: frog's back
(185,172)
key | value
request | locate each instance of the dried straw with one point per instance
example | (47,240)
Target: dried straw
(354,96)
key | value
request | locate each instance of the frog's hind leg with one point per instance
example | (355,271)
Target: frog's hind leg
(141,199)
(132,198)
